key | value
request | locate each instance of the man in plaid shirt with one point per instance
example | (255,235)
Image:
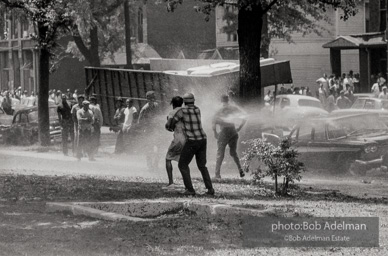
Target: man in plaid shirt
(196,144)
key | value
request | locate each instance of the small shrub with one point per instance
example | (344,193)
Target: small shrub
(280,161)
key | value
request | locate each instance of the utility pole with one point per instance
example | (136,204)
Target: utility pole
(128,50)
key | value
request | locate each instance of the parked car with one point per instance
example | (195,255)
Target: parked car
(366,105)
(297,106)
(353,142)
(24,127)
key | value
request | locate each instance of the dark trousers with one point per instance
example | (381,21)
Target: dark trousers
(223,141)
(195,148)
(96,136)
(85,143)
(120,143)
(66,131)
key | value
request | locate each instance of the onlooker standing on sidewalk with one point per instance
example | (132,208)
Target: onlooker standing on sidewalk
(119,117)
(176,146)
(149,123)
(130,119)
(74,110)
(226,119)
(98,121)
(85,128)
(66,121)
(196,144)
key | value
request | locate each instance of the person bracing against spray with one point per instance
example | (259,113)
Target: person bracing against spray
(226,119)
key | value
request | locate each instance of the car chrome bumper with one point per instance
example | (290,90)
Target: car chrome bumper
(372,163)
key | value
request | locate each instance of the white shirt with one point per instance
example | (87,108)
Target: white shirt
(128,112)
(383,96)
(376,89)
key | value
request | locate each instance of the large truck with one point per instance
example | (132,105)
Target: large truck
(206,82)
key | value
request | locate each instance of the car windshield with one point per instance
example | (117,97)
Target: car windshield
(355,125)
(359,104)
(384,104)
(33,115)
(309,103)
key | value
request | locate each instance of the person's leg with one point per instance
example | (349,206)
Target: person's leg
(119,143)
(221,145)
(169,172)
(90,144)
(183,164)
(233,151)
(200,157)
(81,144)
(71,131)
(65,135)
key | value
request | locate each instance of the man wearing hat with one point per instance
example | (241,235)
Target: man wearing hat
(342,101)
(383,94)
(226,119)
(196,143)
(119,117)
(66,121)
(85,119)
(98,121)
(74,110)
(149,122)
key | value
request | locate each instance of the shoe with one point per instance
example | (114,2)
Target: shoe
(242,174)
(217,177)
(188,193)
(210,192)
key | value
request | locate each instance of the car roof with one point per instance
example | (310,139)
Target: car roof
(30,109)
(291,96)
(369,98)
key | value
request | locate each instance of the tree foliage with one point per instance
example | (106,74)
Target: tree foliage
(97,30)
(281,161)
(250,23)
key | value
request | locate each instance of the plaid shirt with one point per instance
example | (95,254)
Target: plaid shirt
(191,119)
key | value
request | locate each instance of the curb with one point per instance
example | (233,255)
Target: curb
(152,208)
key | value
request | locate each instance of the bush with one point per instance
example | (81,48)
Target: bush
(280,161)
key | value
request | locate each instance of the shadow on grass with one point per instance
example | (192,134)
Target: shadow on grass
(64,188)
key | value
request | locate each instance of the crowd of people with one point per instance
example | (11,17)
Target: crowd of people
(335,92)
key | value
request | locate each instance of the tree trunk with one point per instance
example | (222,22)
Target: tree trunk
(265,40)
(94,44)
(250,24)
(128,49)
(43,107)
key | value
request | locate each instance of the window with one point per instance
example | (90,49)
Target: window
(319,133)
(284,103)
(383,15)
(305,132)
(309,103)
(359,104)
(370,104)
(23,118)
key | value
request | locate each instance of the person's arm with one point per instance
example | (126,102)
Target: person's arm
(170,126)
(59,115)
(100,117)
(135,117)
(214,125)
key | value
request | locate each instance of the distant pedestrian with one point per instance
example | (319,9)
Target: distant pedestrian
(226,120)
(7,103)
(69,95)
(67,124)
(119,118)
(196,144)
(342,101)
(97,124)
(175,149)
(85,128)
(149,123)
(330,101)
(130,120)
(375,89)
(74,110)
(383,94)
(75,94)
